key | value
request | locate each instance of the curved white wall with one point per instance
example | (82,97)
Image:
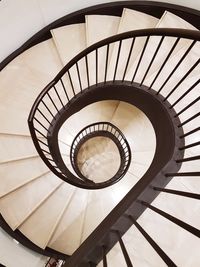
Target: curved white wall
(20,19)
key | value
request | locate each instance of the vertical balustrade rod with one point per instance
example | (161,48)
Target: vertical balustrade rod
(152,60)
(164,63)
(117,60)
(154,245)
(178,193)
(124,251)
(128,59)
(106,65)
(53,102)
(44,116)
(173,219)
(40,132)
(182,79)
(184,94)
(96,54)
(58,96)
(190,119)
(47,108)
(79,77)
(104,257)
(64,88)
(87,70)
(140,59)
(177,65)
(71,83)
(190,132)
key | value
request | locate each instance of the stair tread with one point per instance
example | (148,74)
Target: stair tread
(23,147)
(106,25)
(170,237)
(66,237)
(70,40)
(130,20)
(21,203)
(39,233)
(168,20)
(29,81)
(28,169)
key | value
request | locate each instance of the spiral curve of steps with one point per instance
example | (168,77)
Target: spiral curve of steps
(57,217)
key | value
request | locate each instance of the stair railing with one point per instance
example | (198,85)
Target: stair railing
(56,99)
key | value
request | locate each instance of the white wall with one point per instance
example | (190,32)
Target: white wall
(15,255)
(20,19)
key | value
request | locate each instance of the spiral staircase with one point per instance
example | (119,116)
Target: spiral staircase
(99,137)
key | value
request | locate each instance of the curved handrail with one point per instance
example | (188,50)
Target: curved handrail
(57,86)
(105,129)
(180,33)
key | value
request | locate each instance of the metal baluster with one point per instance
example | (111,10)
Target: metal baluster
(152,60)
(44,116)
(188,159)
(41,124)
(178,193)
(164,63)
(177,65)
(40,132)
(187,107)
(79,77)
(124,251)
(71,83)
(140,59)
(106,65)
(117,60)
(47,108)
(190,119)
(189,146)
(87,70)
(96,54)
(64,89)
(184,94)
(128,59)
(154,245)
(104,257)
(40,141)
(173,219)
(58,96)
(53,102)
(182,79)
(190,132)
(182,174)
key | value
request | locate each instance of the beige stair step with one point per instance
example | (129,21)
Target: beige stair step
(185,209)
(107,26)
(135,243)
(17,173)
(94,214)
(18,205)
(36,227)
(168,20)
(13,147)
(131,20)
(99,111)
(71,40)
(174,240)
(67,235)
(31,72)
(136,127)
